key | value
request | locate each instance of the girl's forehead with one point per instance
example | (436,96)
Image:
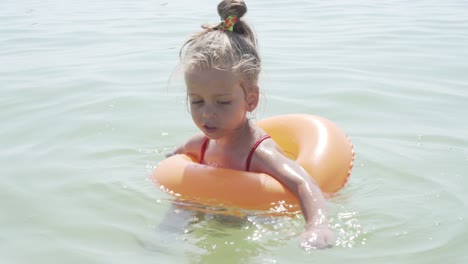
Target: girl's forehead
(212,82)
(195,75)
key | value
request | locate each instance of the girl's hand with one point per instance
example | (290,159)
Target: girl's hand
(318,237)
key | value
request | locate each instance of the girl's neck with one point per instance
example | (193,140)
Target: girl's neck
(239,135)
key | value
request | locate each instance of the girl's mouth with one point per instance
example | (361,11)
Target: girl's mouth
(210,129)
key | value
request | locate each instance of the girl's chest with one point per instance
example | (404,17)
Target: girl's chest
(225,159)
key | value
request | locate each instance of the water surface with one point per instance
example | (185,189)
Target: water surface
(87,111)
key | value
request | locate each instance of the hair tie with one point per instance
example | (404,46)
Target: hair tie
(228,23)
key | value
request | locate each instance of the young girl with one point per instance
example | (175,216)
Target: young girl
(221,68)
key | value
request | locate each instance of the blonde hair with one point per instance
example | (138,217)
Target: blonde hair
(214,48)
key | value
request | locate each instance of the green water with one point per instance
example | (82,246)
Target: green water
(87,110)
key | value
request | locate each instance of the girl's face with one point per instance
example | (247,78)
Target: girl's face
(217,101)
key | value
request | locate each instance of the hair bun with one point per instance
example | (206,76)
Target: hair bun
(232,8)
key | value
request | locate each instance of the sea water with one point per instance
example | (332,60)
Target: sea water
(90,100)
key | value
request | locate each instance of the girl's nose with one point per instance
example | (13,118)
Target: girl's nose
(209,111)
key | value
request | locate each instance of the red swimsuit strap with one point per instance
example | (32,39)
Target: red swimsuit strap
(203,149)
(249,158)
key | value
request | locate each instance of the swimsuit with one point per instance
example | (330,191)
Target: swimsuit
(249,157)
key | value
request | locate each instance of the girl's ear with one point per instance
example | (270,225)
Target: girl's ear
(252,98)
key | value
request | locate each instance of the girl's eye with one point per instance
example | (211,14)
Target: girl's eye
(196,101)
(225,102)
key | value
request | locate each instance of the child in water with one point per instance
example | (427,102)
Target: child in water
(221,68)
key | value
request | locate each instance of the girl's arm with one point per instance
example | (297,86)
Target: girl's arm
(179,150)
(270,160)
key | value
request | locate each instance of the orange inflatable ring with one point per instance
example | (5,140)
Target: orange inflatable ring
(316,144)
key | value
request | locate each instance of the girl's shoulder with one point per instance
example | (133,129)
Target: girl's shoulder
(193,146)
(269,158)
(267,152)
